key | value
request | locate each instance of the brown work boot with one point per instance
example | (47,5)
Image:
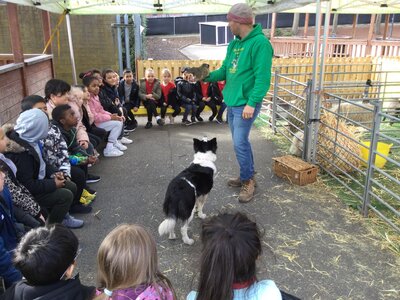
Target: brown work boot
(236,182)
(247,191)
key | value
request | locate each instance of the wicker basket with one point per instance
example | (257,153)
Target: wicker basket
(295,170)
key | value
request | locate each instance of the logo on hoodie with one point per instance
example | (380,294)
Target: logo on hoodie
(235,61)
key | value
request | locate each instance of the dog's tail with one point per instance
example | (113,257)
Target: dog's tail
(167,226)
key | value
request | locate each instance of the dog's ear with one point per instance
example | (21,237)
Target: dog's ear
(196,144)
(213,144)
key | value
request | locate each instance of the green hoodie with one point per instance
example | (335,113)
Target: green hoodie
(246,69)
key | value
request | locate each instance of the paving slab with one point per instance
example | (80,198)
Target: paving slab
(314,247)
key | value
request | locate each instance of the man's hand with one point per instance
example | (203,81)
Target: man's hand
(248,112)
(135,109)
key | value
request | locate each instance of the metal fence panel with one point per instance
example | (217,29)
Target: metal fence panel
(357,139)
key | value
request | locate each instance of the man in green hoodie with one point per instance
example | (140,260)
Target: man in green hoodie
(247,71)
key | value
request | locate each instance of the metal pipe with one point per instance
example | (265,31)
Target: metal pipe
(372,156)
(324,43)
(391,27)
(274,98)
(138,37)
(71,48)
(119,43)
(316,44)
(308,137)
(127,44)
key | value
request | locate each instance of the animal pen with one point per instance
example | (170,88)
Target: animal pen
(351,129)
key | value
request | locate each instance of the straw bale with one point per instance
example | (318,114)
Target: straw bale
(356,113)
(341,156)
(295,124)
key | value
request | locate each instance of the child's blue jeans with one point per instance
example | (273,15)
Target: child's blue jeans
(189,107)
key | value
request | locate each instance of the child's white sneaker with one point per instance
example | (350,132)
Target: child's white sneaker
(112,152)
(126,141)
(171,120)
(119,146)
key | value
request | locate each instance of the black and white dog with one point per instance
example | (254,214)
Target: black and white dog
(189,190)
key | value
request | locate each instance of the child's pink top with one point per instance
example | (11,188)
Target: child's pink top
(89,112)
(150,293)
(99,114)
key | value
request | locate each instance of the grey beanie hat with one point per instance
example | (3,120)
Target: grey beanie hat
(241,13)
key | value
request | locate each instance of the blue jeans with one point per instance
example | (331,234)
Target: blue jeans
(240,129)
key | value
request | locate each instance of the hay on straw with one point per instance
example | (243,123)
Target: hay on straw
(345,154)
(354,113)
(296,116)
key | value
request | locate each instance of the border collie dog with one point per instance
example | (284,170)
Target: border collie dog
(189,190)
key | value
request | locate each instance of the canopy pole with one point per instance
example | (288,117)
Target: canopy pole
(295,24)
(324,45)
(273,25)
(335,24)
(355,21)
(391,27)
(317,34)
(71,48)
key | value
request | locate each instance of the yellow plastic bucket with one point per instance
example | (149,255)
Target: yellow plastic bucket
(382,148)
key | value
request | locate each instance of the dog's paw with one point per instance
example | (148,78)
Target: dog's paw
(188,241)
(172,236)
(202,215)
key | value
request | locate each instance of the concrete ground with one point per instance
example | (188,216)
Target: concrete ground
(314,247)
